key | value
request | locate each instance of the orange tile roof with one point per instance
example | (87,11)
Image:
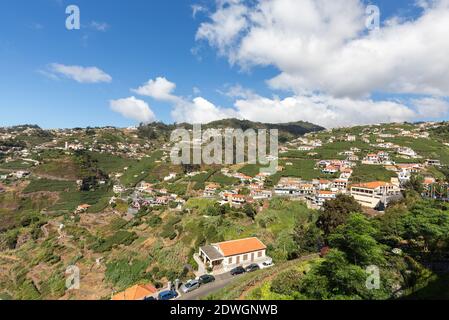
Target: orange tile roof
(137,292)
(236,247)
(325,192)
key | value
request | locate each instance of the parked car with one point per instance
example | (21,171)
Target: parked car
(252,267)
(207,278)
(149,299)
(167,295)
(266,264)
(190,286)
(237,271)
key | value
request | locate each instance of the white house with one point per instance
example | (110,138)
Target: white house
(405,151)
(118,189)
(170,177)
(323,195)
(224,256)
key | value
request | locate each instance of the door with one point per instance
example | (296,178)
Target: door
(238,260)
(252,257)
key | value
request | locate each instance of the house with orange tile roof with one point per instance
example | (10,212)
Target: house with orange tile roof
(82,208)
(211,190)
(376,194)
(234,199)
(330,169)
(322,196)
(137,292)
(224,256)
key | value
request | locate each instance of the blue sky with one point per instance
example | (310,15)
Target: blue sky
(141,40)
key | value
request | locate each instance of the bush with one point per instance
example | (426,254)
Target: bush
(154,221)
(120,238)
(287,282)
(123,273)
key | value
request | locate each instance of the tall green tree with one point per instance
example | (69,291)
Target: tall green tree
(357,240)
(308,238)
(335,213)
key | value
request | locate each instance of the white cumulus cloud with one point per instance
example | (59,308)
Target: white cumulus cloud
(321,45)
(331,64)
(159,89)
(324,110)
(79,73)
(134,109)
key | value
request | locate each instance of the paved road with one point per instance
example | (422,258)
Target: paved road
(207,289)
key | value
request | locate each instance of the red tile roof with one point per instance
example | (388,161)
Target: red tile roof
(236,247)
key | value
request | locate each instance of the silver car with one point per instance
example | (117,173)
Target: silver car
(190,286)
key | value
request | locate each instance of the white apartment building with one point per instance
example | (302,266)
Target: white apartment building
(375,194)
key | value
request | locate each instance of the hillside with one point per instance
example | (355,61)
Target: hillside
(287,131)
(110,201)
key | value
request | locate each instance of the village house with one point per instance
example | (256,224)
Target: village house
(428,181)
(211,190)
(305,148)
(376,194)
(242,177)
(118,189)
(20,174)
(145,187)
(324,184)
(433,162)
(322,196)
(405,151)
(234,199)
(330,169)
(161,201)
(224,256)
(381,157)
(288,186)
(261,177)
(170,177)
(409,167)
(260,194)
(340,184)
(137,292)
(306,188)
(82,208)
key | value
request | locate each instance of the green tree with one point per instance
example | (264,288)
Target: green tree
(335,212)
(250,211)
(427,228)
(357,240)
(415,183)
(308,238)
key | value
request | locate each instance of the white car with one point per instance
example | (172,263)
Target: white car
(267,264)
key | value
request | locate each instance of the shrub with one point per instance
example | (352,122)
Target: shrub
(287,282)
(154,221)
(120,238)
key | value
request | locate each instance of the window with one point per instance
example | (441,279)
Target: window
(245,257)
(259,254)
(230,260)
